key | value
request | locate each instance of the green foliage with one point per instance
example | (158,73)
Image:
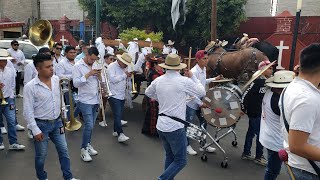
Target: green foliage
(129,34)
(155,15)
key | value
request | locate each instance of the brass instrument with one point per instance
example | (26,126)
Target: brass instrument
(73,124)
(3,101)
(134,91)
(40,33)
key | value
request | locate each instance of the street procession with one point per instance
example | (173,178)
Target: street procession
(150,89)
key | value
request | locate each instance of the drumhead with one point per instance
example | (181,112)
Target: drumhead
(225,108)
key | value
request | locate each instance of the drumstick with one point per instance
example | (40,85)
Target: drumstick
(189,60)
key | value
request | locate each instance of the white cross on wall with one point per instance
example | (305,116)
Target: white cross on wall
(63,40)
(281,48)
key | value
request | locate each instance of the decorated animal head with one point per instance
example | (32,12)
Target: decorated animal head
(213,45)
(246,42)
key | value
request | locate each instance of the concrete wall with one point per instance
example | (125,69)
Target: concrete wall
(55,9)
(261,8)
(18,10)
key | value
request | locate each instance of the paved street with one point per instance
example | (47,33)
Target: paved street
(141,158)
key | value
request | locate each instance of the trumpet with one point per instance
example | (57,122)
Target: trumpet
(3,101)
(73,124)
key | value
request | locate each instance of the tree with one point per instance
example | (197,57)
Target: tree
(155,15)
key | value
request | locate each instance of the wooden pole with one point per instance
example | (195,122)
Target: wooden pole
(189,60)
(214,20)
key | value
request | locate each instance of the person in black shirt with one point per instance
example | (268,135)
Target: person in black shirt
(251,105)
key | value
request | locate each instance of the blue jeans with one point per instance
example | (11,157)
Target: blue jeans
(117,107)
(9,112)
(190,114)
(274,165)
(67,102)
(174,144)
(89,112)
(254,129)
(300,174)
(55,130)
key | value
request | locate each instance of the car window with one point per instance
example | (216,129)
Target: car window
(29,50)
(5,45)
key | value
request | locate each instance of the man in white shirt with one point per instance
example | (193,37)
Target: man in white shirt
(57,53)
(85,78)
(18,63)
(8,109)
(64,70)
(169,49)
(41,110)
(302,111)
(194,105)
(171,91)
(118,74)
(84,50)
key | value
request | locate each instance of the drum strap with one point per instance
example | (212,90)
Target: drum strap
(176,119)
(313,164)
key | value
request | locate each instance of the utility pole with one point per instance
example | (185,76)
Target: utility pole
(98,4)
(214,20)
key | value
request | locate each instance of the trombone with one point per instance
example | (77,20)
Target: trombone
(3,101)
(134,91)
(73,124)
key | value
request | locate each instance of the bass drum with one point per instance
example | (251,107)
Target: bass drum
(225,109)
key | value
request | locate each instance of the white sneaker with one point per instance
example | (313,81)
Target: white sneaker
(85,156)
(74,179)
(115,134)
(3,130)
(19,127)
(103,124)
(190,151)
(91,151)
(19,96)
(1,146)
(16,146)
(123,138)
(123,122)
(209,149)
(29,134)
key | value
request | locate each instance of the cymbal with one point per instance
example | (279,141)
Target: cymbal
(222,80)
(256,75)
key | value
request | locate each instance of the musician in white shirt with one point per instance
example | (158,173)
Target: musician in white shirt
(169,49)
(41,110)
(118,74)
(171,91)
(85,78)
(57,53)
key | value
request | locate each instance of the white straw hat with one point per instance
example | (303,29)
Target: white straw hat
(125,58)
(4,55)
(281,79)
(173,62)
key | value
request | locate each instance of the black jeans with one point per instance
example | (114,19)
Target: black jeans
(18,82)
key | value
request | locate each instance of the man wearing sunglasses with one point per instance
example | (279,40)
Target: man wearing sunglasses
(18,62)
(57,53)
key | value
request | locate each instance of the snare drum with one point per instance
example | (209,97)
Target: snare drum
(225,109)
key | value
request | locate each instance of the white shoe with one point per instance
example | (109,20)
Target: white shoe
(123,138)
(115,134)
(29,134)
(19,96)
(85,156)
(91,151)
(1,146)
(190,151)
(3,130)
(74,179)
(209,149)
(103,124)
(123,122)
(19,127)
(16,146)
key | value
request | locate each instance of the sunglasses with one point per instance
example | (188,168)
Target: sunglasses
(16,44)
(60,49)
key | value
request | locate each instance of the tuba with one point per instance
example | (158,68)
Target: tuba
(40,33)
(73,124)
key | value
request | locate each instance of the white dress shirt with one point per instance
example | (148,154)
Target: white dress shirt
(19,57)
(171,91)
(30,72)
(41,102)
(64,69)
(117,80)
(200,74)
(10,64)
(87,88)
(8,78)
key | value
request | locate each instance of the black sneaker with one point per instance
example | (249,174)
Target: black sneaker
(261,161)
(247,157)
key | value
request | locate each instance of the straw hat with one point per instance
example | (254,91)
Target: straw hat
(135,39)
(173,62)
(170,43)
(281,79)
(125,58)
(4,55)
(148,40)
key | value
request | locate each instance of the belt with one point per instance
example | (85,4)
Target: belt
(47,119)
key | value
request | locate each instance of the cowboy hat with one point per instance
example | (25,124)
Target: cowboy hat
(125,58)
(173,62)
(4,55)
(148,40)
(281,79)
(135,39)
(170,43)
